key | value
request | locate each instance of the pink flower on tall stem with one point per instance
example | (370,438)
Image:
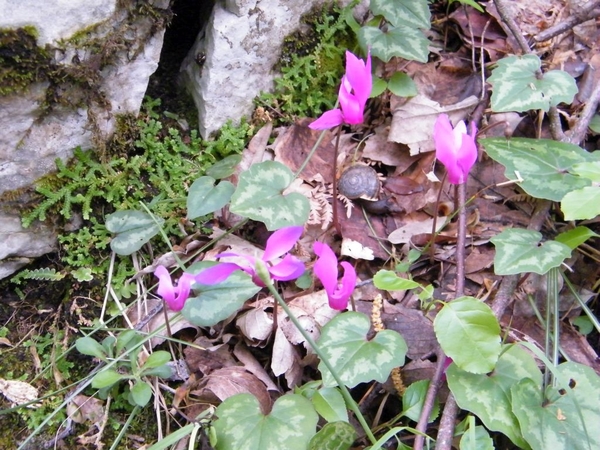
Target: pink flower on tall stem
(455,148)
(326,270)
(354,92)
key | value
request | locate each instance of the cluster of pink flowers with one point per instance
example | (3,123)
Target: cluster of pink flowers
(455,148)
(281,266)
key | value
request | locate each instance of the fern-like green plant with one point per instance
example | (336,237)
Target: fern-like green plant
(43,274)
(156,168)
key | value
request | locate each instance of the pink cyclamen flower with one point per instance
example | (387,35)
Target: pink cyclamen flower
(355,89)
(454,148)
(326,270)
(283,269)
(174,296)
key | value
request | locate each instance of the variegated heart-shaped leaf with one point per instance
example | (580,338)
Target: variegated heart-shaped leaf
(259,196)
(355,358)
(290,425)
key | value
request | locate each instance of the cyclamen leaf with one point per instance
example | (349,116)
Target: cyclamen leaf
(488,395)
(412,13)
(259,196)
(567,419)
(217,302)
(516,87)
(544,165)
(241,425)
(520,251)
(204,197)
(356,359)
(405,42)
(468,332)
(132,228)
(333,436)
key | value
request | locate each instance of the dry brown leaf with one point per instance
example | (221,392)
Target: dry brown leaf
(242,353)
(85,409)
(228,381)
(414,224)
(256,324)
(412,123)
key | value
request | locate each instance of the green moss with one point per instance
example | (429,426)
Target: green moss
(22,62)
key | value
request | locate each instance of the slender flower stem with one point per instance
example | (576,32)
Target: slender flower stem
(345,393)
(310,154)
(336,222)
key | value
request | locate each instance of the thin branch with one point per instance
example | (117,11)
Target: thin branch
(434,386)
(578,132)
(507,18)
(588,12)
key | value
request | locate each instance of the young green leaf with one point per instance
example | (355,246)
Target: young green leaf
(290,425)
(156,359)
(516,86)
(259,196)
(389,281)
(488,395)
(575,237)
(355,358)
(204,197)
(589,170)
(520,251)
(414,398)
(402,85)
(330,404)
(91,347)
(581,204)
(469,333)
(106,378)
(141,393)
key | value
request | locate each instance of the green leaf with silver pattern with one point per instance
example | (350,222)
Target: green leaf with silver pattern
(259,196)
(355,358)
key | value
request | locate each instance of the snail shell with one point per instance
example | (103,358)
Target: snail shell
(359,181)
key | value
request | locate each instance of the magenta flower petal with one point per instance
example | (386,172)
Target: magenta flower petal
(339,298)
(354,92)
(359,76)
(281,242)
(328,119)
(352,109)
(174,296)
(325,267)
(289,268)
(216,274)
(455,149)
